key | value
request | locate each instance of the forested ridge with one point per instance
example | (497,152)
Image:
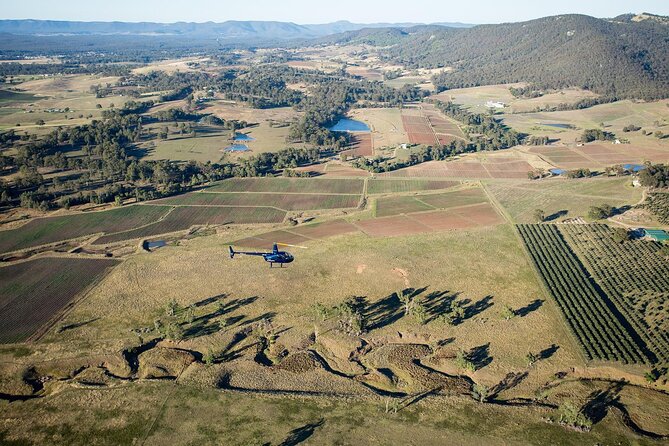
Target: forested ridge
(619,58)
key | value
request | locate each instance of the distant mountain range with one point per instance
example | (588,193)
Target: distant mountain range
(229,30)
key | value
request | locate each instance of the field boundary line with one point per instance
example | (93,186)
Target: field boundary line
(496,205)
(272,193)
(138,227)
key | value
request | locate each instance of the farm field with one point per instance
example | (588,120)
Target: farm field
(467,168)
(385,125)
(614,116)
(603,334)
(59,92)
(421,221)
(475,98)
(47,230)
(405,204)
(561,198)
(269,127)
(283,201)
(182,218)
(360,145)
(387,186)
(600,155)
(208,145)
(634,276)
(33,292)
(290,185)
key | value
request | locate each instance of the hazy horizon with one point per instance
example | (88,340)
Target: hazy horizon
(303,12)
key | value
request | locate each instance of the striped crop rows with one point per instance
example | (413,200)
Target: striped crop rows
(600,331)
(633,275)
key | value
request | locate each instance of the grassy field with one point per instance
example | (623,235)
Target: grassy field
(47,230)
(158,412)
(561,198)
(614,116)
(31,293)
(395,205)
(475,98)
(385,124)
(59,92)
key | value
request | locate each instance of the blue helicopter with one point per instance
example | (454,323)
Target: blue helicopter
(275,256)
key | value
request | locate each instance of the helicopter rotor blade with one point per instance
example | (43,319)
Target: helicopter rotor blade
(292,246)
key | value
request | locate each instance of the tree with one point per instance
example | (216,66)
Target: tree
(462,361)
(572,416)
(600,212)
(481,392)
(539,215)
(620,235)
(531,359)
(507,313)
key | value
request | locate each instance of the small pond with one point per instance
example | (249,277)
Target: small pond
(557,171)
(242,137)
(155,244)
(237,148)
(634,167)
(349,125)
(558,125)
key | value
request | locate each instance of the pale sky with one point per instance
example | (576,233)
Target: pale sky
(314,11)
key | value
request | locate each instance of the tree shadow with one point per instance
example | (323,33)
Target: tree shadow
(74,325)
(297,436)
(383,312)
(548,352)
(620,210)
(438,303)
(529,308)
(556,215)
(510,381)
(599,401)
(208,324)
(480,356)
(477,307)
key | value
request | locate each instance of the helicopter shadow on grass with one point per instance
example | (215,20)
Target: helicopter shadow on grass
(208,323)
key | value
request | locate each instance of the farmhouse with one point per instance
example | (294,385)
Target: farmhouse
(495,104)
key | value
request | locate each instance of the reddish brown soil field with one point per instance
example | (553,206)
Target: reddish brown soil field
(456,198)
(481,214)
(288,201)
(361,145)
(443,220)
(292,185)
(326,229)
(463,169)
(33,292)
(390,226)
(599,155)
(266,240)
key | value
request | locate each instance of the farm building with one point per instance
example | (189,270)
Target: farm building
(495,104)
(656,234)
